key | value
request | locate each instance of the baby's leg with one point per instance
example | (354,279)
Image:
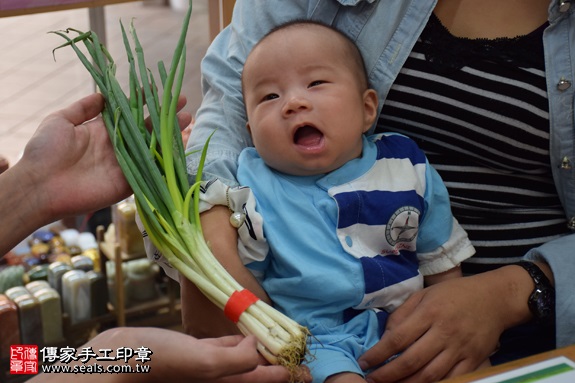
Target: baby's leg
(345,377)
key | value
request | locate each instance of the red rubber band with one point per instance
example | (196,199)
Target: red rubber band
(238,303)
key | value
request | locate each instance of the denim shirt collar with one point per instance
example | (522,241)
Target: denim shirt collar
(353,2)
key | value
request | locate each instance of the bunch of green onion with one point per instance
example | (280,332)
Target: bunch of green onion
(154,164)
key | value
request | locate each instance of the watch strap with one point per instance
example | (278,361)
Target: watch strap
(538,276)
(542,300)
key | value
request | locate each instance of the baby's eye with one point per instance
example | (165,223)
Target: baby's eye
(315,83)
(269,97)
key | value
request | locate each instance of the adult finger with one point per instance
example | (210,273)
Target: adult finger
(262,374)
(462,367)
(187,130)
(225,341)
(409,363)
(82,110)
(230,341)
(403,328)
(438,368)
(185,120)
(270,374)
(235,358)
(241,363)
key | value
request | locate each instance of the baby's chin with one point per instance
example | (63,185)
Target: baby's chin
(303,170)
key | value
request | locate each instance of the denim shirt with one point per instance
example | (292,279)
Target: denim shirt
(385,32)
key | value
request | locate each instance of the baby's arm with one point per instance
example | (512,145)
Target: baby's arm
(200,317)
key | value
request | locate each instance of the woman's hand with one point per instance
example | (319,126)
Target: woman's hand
(177,357)
(449,328)
(71,159)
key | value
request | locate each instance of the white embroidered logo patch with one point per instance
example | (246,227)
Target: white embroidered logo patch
(401,229)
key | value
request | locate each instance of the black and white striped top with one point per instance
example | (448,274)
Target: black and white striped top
(479,110)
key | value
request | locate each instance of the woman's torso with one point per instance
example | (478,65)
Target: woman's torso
(477,105)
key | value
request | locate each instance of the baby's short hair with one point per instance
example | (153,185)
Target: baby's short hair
(355,54)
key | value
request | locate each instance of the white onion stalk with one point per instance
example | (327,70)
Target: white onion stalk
(154,166)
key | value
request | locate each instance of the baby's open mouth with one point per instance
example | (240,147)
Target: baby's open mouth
(307,135)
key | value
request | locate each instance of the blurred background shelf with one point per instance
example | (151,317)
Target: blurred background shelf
(165,310)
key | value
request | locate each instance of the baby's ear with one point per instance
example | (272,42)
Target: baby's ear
(248,127)
(370,104)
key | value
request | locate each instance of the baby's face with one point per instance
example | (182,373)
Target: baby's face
(306,106)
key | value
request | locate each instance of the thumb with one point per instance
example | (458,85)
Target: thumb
(398,335)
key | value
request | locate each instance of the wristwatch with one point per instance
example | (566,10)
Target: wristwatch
(542,300)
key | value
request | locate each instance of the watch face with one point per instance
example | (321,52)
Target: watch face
(542,301)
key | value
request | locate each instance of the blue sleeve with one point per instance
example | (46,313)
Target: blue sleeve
(437,223)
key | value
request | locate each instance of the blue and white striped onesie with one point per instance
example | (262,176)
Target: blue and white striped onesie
(341,248)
